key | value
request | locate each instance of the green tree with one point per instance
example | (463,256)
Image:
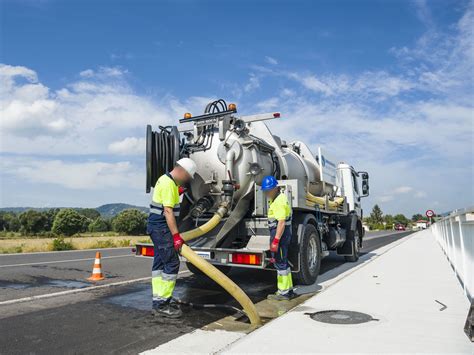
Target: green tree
(69,222)
(99,225)
(3,222)
(389,220)
(50,215)
(401,219)
(90,213)
(130,222)
(416,217)
(376,216)
(32,222)
(11,222)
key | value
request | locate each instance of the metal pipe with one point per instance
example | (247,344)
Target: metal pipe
(229,163)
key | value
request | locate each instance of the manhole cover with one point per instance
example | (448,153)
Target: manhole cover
(341,317)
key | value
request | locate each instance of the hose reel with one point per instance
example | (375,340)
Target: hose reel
(162,152)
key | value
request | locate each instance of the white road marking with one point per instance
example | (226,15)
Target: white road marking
(66,261)
(369,236)
(85,289)
(65,251)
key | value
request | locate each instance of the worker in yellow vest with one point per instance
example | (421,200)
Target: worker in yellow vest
(163,230)
(279,224)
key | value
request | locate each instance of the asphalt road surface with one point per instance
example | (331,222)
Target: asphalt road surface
(116,319)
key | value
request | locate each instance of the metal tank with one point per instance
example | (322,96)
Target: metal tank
(235,158)
(249,153)
(232,154)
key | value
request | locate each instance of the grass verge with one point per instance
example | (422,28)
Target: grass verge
(29,245)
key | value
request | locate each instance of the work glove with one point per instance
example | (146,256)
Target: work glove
(274,245)
(177,241)
(181,190)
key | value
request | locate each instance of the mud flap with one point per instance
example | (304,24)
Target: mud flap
(349,223)
(469,326)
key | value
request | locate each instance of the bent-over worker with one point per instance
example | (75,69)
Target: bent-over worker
(167,242)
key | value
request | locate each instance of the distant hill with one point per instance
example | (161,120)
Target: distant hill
(106,211)
(23,209)
(113,209)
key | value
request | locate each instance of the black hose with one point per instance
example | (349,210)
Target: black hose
(162,153)
(216,106)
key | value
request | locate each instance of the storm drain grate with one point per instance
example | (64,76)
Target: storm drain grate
(341,317)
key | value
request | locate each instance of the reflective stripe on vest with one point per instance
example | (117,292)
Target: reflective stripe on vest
(157,208)
(273,223)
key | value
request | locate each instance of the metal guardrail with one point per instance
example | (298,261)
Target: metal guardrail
(455,234)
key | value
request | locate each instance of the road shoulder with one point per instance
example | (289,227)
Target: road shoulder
(410,291)
(218,332)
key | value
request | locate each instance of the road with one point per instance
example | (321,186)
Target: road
(113,319)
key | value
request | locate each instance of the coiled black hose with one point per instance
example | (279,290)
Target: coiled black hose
(162,152)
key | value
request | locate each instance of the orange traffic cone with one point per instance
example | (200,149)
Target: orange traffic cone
(97,270)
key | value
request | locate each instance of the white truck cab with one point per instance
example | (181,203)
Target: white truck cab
(354,185)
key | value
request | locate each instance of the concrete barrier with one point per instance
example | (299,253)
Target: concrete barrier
(455,234)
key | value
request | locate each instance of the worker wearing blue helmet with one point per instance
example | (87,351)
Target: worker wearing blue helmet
(279,224)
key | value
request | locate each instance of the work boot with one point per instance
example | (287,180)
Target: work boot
(277,296)
(168,310)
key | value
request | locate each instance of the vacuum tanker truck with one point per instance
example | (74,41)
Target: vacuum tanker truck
(225,208)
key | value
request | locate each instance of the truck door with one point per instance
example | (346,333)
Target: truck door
(355,188)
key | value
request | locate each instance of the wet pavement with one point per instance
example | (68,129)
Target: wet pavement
(117,319)
(25,275)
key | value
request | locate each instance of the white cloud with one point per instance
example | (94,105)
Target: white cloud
(103,72)
(287,92)
(88,73)
(271,60)
(385,198)
(253,83)
(420,194)
(402,190)
(423,12)
(390,196)
(269,104)
(128,146)
(378,85)
(26,107)
(89,175)
(84,117)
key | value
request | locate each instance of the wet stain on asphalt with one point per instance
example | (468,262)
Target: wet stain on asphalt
(68,283)
(41,281)
(14,285)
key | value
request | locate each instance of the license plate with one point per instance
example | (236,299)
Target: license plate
(204,254)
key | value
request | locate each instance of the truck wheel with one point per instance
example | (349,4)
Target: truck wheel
(309,256)
(355,247)
(222,268)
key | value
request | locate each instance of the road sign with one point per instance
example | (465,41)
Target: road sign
(429,213)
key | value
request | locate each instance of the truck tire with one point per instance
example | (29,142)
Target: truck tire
(355,247)
(222,268)
(309,256)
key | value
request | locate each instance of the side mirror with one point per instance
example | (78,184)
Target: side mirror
(365,183)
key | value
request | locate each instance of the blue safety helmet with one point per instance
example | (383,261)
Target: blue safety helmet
(269,182)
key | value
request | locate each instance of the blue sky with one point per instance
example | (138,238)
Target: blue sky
(384,85)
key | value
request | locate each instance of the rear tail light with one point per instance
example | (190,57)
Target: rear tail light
(147,251)
(247,259)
